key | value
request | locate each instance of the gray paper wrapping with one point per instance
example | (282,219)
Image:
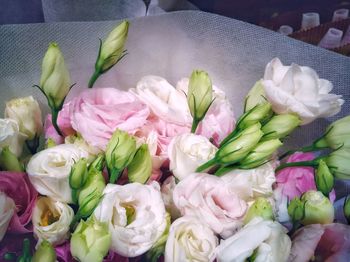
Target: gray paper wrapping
(234,53)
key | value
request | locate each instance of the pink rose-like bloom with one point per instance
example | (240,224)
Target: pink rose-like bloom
(329,243)
(209,199)
(17,186)
(97,113)
(294,181)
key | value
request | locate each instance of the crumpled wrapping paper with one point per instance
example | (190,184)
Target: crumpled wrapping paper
(234,53)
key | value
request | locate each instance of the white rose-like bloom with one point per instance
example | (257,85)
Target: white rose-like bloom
(190,240)
(49,170)
(267,238)
(298,89)
(27,113)
(167,194)
(7,208)
(51,220)
(210,200)
(11,136)
(135,214)
(164,100)
(252,183)
(187,152)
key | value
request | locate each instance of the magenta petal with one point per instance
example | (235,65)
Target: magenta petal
(63,253)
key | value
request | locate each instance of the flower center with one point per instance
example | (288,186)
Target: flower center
(130,213)
(47,218)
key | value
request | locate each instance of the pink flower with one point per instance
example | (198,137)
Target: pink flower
(208,198)
(329,243)
(294,181)
(17,186)
(63,253)
(98,112)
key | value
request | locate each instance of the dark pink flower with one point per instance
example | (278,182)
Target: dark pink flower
(17,186)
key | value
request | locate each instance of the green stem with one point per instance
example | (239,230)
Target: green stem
(54,113)
(229,137)
(194,125)
(206,165)
(303,149)
(93,78)
(76,218)
(223,170)
(313,163)
(114,175)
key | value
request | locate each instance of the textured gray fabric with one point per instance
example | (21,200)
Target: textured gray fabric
(171,45)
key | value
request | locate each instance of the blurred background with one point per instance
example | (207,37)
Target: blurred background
(323,22)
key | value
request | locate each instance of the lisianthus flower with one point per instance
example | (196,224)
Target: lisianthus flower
(323,242)
(210,200)
(17,186)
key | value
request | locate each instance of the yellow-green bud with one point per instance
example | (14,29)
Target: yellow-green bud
(9,161)
(260,208)
(338,163)
(318,208)
(280,126)
(55,80)
(98,163)
(90,241)
(346,209)
(44,253)
(91,193)
(112,49)
(50,143)
(324,178)
(255,96)
(200,94)
(261,153)
(259,113)
(78,174)
(140,168)
(239,147)
(120,151)
(296,209)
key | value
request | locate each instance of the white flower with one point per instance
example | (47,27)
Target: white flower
(49,171)
(10,136)
(7,208)
(267,238)
(51,220)
(298,89)
(78,141)
(252,183)
(209,199)
(135,214)
(190,240)
(27,113)
(187,152)
(164,100)
(167,195)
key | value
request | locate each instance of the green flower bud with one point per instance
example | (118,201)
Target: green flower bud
(50,143)
(200,94)
(78,174)
(239,147)
(338,163)
(260,208)
(140,168)
(259,113)
(55,80)
(337,135)
(120,152)
(91,193)
(158,248)
(324,178)
(280,126)
(296,209)
(346,209)
(44,253)
(260,154)
(112,49)
(98,163)
(9,161)
(318,208)
(255,96)
(90,241)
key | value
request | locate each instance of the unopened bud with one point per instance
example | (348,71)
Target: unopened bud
(280,126)
(260,208)
(44,253)
(78,174)
(259,113)
(324,178)
(140,168)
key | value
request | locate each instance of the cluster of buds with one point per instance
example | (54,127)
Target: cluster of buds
(122,153)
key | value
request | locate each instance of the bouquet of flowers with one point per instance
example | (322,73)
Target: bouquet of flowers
(166,173)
